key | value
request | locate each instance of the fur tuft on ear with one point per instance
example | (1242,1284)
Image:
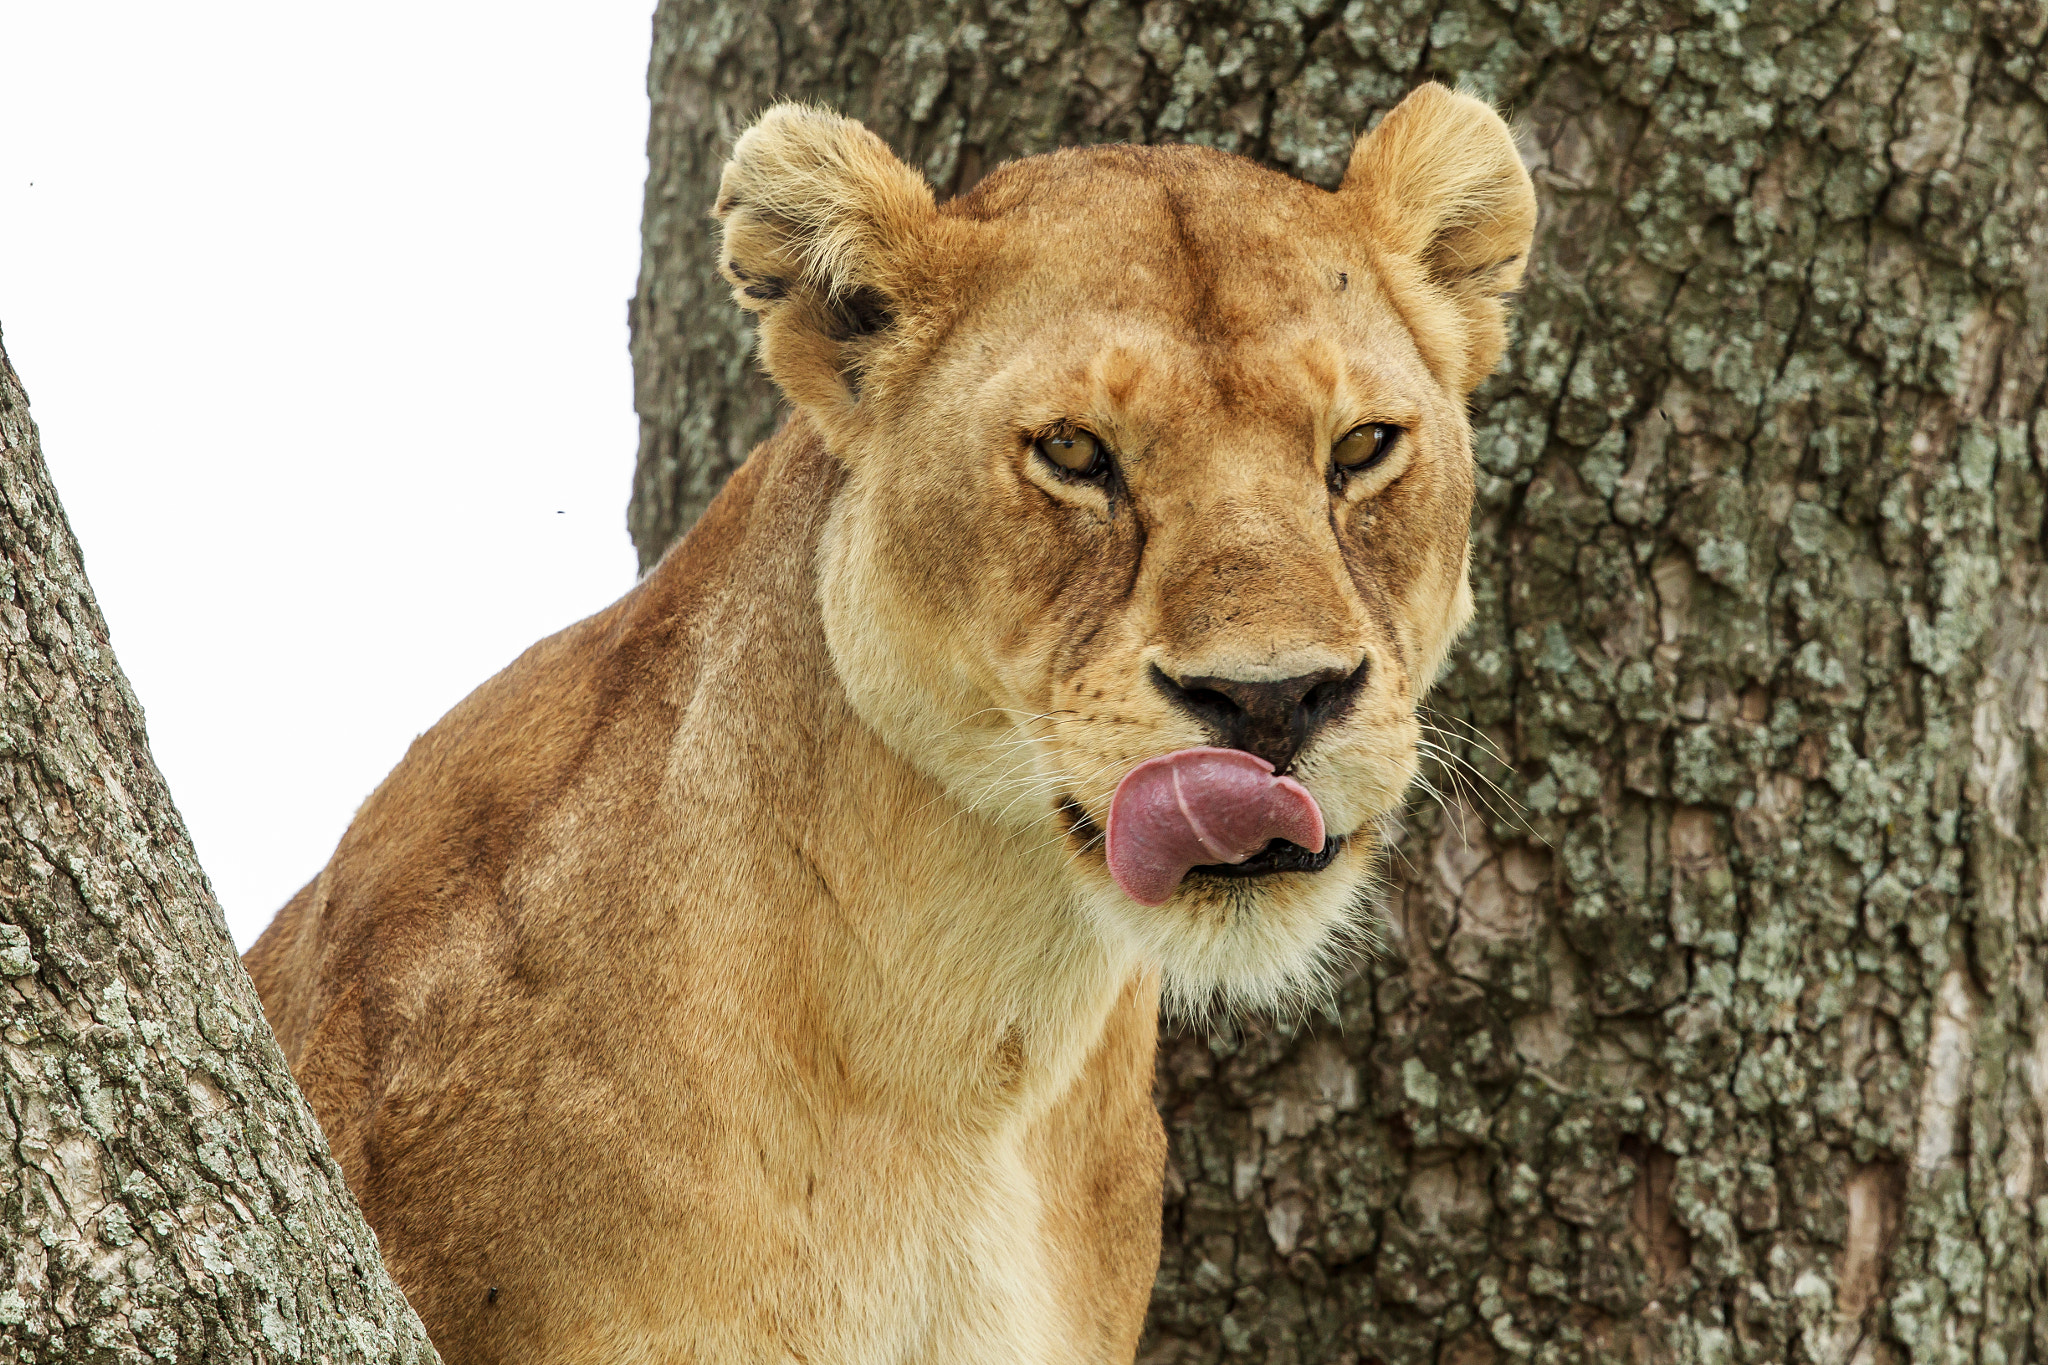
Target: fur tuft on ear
(821,221)
(1442,190)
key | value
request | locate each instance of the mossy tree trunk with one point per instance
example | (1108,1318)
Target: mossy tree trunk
(164,1191)
(1733,1047)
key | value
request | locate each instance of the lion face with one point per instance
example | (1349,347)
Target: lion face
(1155,460)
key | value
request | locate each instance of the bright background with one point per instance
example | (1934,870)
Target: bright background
(321,311)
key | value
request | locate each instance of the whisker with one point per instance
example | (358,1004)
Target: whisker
(1395,849)
(1050,783)
(1431,717)
(1453,755)
(1109,766)
(1461,787)
(1464,775)
(1005,749)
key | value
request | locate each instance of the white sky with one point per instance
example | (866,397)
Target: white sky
(321,311)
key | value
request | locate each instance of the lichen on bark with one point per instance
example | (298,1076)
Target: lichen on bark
(165,1193)
(1730,1045)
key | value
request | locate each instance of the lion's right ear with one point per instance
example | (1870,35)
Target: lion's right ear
(821,227)
(1441,188)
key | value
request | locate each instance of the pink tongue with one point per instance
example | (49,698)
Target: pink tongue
(1198,806)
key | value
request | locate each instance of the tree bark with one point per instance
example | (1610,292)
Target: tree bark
(1731,1046)
(165,1193)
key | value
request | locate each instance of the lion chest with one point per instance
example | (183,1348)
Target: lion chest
(892,1255)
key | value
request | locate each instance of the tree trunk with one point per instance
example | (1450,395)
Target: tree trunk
(1732,1045)
(165,1193)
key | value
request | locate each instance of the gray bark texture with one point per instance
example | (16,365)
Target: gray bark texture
(1731,1045)
(164,1191)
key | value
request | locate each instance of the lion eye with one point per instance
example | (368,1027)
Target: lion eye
(1365,447)
(1076,452)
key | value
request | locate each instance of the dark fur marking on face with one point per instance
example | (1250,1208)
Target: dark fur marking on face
(1080,646)
(1090,586)
(1343,281)
(1081,827)
(1137,556)
(1205,317)
(1055,586)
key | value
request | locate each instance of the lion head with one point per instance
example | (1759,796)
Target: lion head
(1158,482)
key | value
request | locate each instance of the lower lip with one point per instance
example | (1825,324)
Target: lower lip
(1274,859)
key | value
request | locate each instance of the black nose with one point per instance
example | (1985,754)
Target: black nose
(1271,719)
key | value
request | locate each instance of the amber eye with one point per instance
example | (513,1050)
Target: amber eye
(1365,447)
(1075,452)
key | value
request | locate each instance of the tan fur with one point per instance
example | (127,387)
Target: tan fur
(736,976)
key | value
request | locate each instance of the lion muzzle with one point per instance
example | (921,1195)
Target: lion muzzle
(1200,807)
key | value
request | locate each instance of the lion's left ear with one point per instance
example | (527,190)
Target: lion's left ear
(1442,190)
(821,226)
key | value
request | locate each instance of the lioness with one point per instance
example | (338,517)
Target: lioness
(765,969)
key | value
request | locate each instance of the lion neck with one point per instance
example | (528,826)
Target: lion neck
(946,966)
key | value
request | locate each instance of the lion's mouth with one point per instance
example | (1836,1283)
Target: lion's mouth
(1276,857)
(1279,855)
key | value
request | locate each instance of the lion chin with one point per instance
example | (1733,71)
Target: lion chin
(768,967)
(1228,947)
